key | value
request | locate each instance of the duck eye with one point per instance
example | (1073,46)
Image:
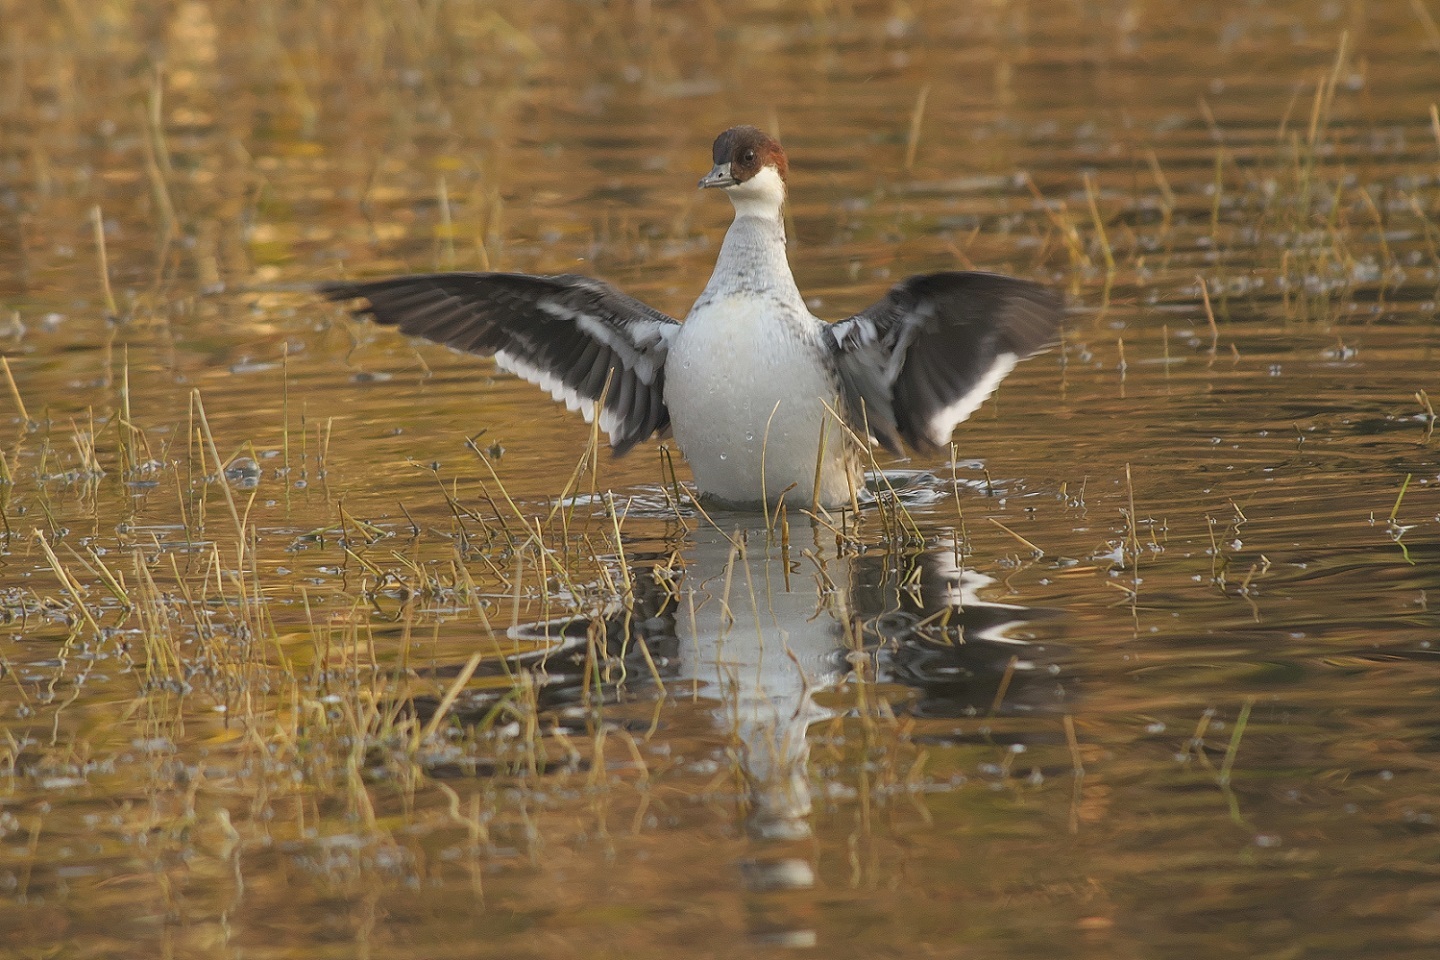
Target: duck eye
(749,156)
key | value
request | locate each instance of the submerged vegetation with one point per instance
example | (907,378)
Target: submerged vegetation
(311,637)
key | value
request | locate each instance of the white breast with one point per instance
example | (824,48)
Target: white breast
(747,386)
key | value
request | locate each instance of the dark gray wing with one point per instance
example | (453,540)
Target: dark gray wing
(924,358)
(571,335)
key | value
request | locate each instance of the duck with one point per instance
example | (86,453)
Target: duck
(765,400)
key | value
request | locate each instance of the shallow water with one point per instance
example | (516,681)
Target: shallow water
(1148,670)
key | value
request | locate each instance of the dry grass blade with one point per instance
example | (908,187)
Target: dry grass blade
(1209,315)
(451,695)
(15,390)
(71,588)
(1034,549)
(97,221)
(219,465)
(917,117)
(1233,749)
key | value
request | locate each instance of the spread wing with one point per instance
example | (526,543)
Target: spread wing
(574,336)
(926,356)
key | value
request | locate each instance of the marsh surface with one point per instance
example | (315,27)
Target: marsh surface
(318,643)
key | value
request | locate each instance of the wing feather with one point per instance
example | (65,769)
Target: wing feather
(920,361)
(567,334)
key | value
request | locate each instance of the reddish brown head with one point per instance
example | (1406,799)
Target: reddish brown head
(742,152)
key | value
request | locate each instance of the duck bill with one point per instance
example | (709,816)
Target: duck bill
(720,176)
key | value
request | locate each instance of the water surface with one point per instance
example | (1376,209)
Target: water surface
(1145,669)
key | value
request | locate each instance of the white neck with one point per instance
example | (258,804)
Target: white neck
(761,196)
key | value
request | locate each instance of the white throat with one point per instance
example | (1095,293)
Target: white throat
(761,196)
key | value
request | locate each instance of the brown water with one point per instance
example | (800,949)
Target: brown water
(1187,705)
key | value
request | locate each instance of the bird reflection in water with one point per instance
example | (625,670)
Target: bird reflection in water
(765,631)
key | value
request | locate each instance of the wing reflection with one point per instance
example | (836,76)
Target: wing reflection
(774,630)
